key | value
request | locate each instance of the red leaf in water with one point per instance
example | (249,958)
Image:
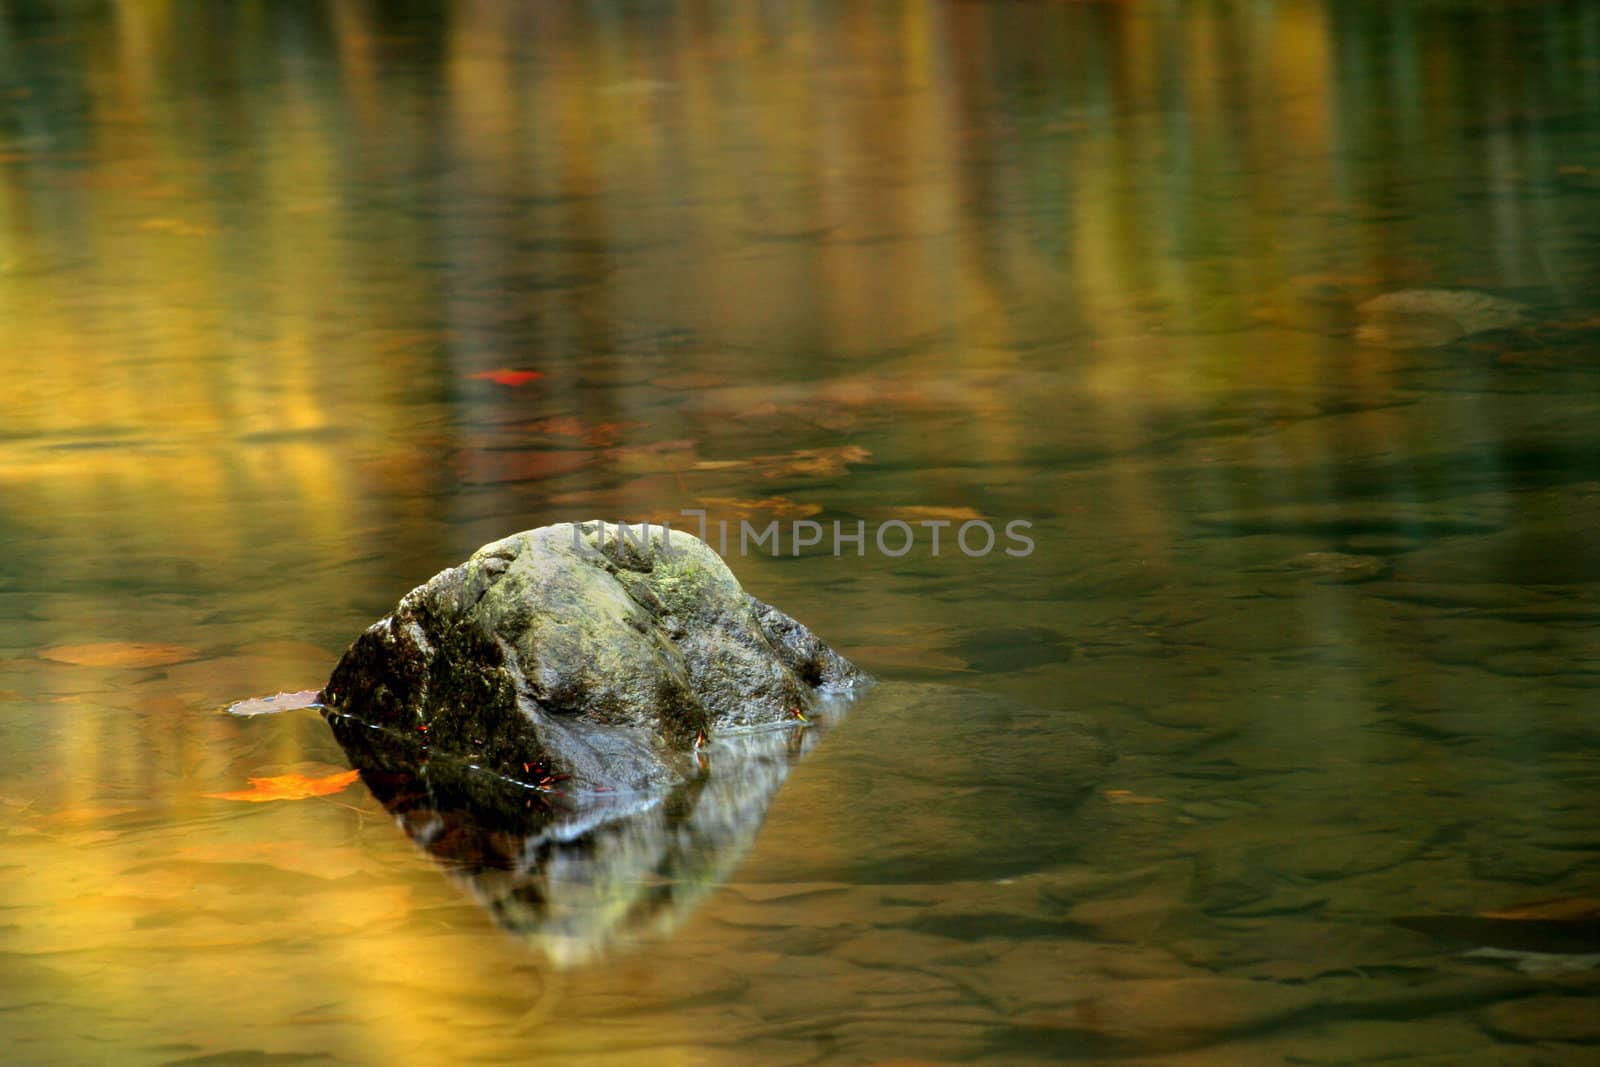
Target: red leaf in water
(289,787)
(507,377)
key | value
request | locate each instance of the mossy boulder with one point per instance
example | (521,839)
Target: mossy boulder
(595,654)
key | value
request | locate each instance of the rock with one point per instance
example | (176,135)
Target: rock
(1425,318)
(588,654)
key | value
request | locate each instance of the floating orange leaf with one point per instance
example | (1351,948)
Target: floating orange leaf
(119,654)
(503,376)
(289,787)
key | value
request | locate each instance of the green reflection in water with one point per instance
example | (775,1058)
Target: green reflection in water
(1093,265)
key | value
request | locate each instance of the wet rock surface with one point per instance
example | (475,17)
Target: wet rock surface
(596,654)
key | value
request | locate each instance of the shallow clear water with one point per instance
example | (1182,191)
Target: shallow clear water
(1093,266)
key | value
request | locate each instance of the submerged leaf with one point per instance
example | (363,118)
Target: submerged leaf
(779,507)
(1128,796)
(803,462)
(176,226)
(303,698)
(920,512)
(599,434)
(1564,909)
(119,654)
(289,787)
(653,458)
(692,380)
(503,376)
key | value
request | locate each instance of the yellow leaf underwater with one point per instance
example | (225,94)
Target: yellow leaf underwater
(289,787)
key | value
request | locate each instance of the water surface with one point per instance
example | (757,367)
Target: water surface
(1093,266)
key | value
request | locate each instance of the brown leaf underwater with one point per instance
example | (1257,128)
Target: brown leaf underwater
(125,654)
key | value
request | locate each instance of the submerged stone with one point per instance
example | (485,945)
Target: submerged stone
(1426,318)
(1571,1018)
(585,653)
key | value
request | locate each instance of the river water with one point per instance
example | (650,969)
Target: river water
(301,303)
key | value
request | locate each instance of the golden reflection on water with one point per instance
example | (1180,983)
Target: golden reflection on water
(1093,264)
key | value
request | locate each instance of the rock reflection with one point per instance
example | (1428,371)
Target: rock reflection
(582,875)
